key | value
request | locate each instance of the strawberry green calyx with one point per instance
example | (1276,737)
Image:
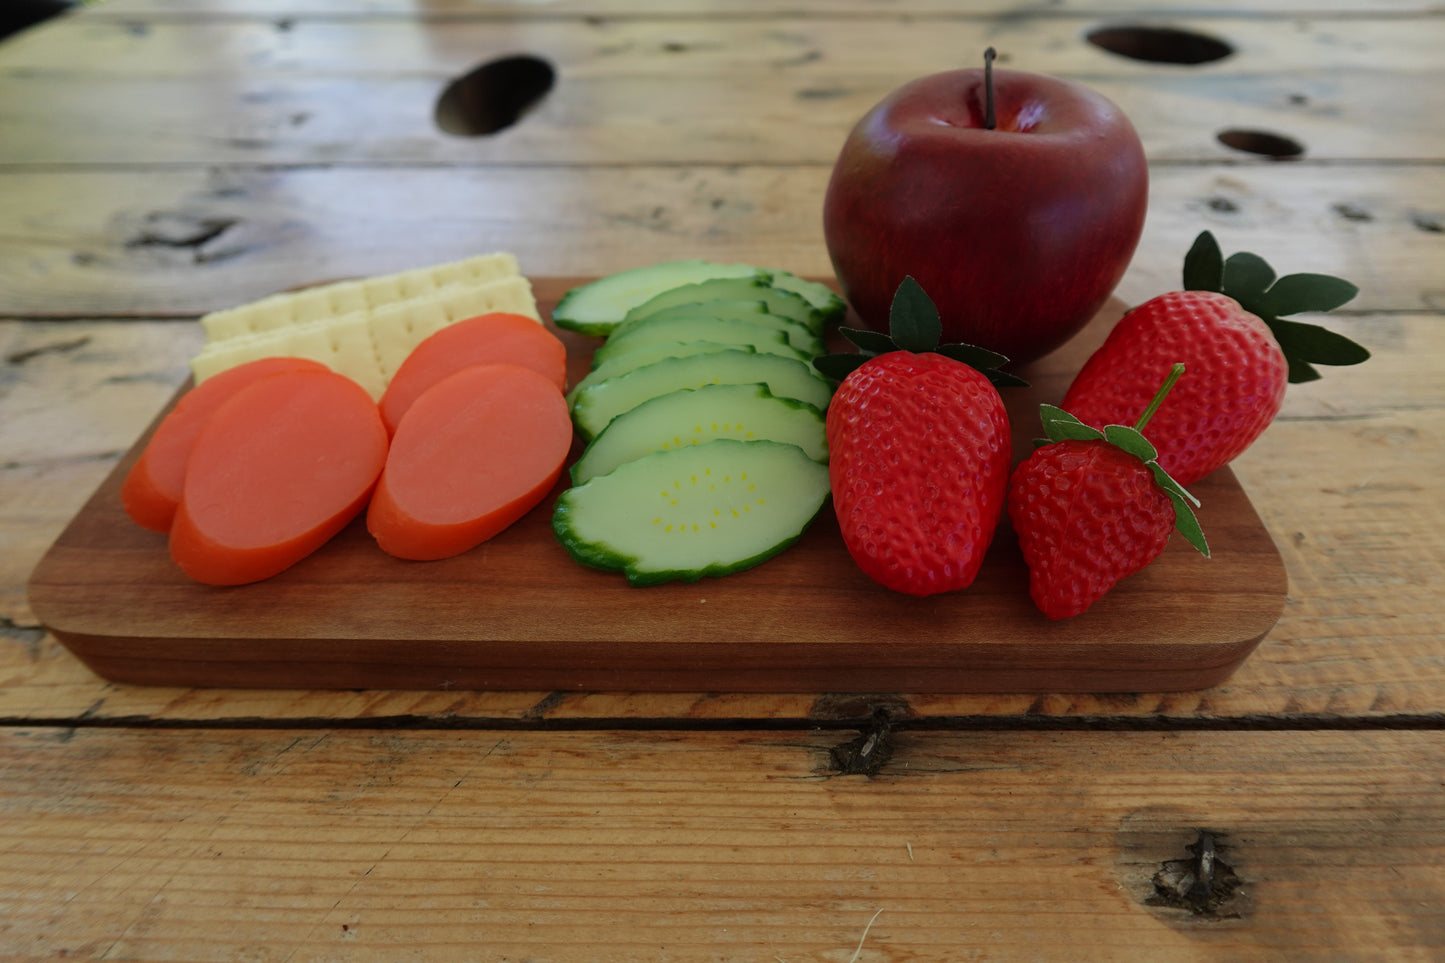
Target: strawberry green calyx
(1059,425)
(913,325)
(1248,279)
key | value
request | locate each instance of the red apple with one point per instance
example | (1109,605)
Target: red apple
(1018,232)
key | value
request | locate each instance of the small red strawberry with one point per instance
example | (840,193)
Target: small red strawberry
(1092,507)
(919,450)
(1226,327)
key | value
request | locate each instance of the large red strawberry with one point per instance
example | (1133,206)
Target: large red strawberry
(1227,328)
(1092,507)
(918,450)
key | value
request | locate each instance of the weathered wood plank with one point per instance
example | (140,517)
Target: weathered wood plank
(646,92)
(1341,480)
(54,448)
(510,9)
(181,242)
(718,48)
(302,845)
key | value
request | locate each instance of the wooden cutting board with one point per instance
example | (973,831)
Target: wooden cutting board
(518,613)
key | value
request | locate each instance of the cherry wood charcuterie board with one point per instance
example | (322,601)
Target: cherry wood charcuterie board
(518,613)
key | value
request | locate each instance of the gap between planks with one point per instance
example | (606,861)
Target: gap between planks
(897,724)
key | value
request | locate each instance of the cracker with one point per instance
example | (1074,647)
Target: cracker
(369,344)
(344,297)
(398,328)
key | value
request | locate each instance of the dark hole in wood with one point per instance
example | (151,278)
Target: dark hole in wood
(1262,142)
(1160,45)
(17,15)
(494,96)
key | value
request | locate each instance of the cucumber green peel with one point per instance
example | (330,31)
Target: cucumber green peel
(596,307)
(692,512)
(696,416)
(649,353)
(595,406)
(705,456)
(772,339)
(752,312)
(785,304)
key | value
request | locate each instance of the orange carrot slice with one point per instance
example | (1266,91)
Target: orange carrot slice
(152,488)
(497,338)
(277,470)
(472,455)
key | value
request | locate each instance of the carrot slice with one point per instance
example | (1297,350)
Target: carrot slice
(473,454)
(497,338)
(152,488)
(280,467)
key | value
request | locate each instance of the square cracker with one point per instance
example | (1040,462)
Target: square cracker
(369,344)
(344,297)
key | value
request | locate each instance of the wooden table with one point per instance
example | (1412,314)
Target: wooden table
(164,158)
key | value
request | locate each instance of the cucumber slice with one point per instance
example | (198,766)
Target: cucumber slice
(735,308)
(595,307)
(801,336)
(703,510)
(785,304)
(825,300)
(595,406)
(770,338)
(649,353)
(696,416)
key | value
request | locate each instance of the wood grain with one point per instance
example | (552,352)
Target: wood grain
(308,845)
(118,244)
(517,613)
(124,10)
(728,43)
(660,92)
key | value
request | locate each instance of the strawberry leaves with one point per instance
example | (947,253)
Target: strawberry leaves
(1248,279)
(1306,345)
(913,321)
(913,325)
(1204,265)
(1059,425)
(1294,293)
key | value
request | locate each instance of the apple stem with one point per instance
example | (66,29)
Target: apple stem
(988,119)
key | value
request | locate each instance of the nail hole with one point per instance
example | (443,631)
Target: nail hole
(1204,884)
(1160,45)
(870,751)
(1263,142)
(494,96)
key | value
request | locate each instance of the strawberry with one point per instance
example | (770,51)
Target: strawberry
(1092,507)
(919,450)
(1227,328)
